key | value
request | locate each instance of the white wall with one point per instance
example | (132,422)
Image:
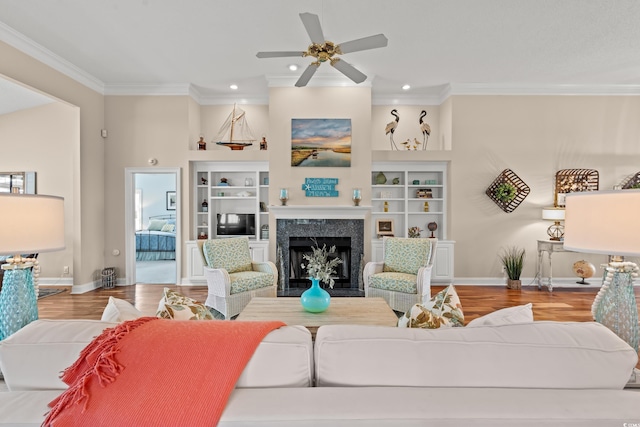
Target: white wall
(37,140)
(86,149)
(535,136)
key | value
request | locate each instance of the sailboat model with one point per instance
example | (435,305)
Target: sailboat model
(235,132)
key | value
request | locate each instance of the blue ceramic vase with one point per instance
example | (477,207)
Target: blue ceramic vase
(315,299)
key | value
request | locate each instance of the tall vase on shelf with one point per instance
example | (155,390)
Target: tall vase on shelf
(315,299)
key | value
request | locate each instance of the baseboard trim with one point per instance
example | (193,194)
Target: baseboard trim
(55,281)
(558,282)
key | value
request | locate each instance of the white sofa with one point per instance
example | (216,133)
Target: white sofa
(534,374)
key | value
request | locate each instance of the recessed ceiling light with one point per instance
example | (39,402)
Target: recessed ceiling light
(406,87)
(233,87)
(293,67)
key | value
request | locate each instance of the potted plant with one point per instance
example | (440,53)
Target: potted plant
(320,265)
(513,262)
(414,232)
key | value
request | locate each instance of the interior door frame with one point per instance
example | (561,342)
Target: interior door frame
(129,215)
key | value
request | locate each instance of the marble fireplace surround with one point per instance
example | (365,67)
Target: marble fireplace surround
(320,221)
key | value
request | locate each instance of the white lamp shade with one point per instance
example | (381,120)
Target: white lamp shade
(553,214)
(31,223)
(603,222)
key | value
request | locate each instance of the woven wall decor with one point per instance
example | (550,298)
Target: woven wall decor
(508,180)
(574,180)
(633,182)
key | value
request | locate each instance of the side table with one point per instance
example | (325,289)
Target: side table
(548,246)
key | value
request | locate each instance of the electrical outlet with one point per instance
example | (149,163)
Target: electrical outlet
(504,269)
(65,269)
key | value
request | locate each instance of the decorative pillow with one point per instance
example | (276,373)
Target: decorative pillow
(119,310)
(443,310)
(518,314)
(174,305)
(404,255)
(169,228)
(231,254)
(156,225)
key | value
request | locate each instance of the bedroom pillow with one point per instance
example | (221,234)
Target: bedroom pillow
(442,311)
(174,305)
(518,314)
(156,225)
(119,310)
(169,228)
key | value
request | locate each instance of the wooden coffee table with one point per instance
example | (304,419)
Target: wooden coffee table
(341,311)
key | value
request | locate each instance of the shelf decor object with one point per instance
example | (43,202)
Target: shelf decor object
(284,196)
(572,181)
(357,196)
(508,191)
(30,224)
(606,222)
(632,182)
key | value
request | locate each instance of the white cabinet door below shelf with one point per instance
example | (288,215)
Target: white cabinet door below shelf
(443,263)
(259,250)
(195,265)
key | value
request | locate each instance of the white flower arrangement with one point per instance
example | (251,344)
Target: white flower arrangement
(319,265)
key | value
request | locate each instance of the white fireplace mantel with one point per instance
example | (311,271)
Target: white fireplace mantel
(319,212)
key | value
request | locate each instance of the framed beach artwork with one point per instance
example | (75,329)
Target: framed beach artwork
(321,142)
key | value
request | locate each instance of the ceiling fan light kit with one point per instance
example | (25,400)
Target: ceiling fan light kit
(324,50)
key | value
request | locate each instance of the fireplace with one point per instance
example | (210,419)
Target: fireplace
(343,227)
(300,246)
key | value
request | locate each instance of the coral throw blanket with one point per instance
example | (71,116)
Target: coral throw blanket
(154,372)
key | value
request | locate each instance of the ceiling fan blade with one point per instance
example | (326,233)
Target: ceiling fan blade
(308,73)
(371,42)
(311,23)
(348,70)
(281,54)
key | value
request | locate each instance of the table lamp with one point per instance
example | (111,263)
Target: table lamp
(606,222)
(556,230)
(30,224)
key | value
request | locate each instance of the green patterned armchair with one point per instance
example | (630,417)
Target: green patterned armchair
(232,277)
(403,278)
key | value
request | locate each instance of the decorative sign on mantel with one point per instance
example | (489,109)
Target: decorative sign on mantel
(320,187)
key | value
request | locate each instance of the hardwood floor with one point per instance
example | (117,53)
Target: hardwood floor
(563,304)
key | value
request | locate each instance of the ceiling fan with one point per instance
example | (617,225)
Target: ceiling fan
(324,50)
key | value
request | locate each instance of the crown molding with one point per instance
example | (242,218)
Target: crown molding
(204,98)
(201,96)
(44,55)
(542,89)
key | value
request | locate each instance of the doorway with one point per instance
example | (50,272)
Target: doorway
(153,225)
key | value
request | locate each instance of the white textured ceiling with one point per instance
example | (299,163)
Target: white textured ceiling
(461,46)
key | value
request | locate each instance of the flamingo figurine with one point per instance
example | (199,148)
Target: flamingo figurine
(425,128)
(391,127)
